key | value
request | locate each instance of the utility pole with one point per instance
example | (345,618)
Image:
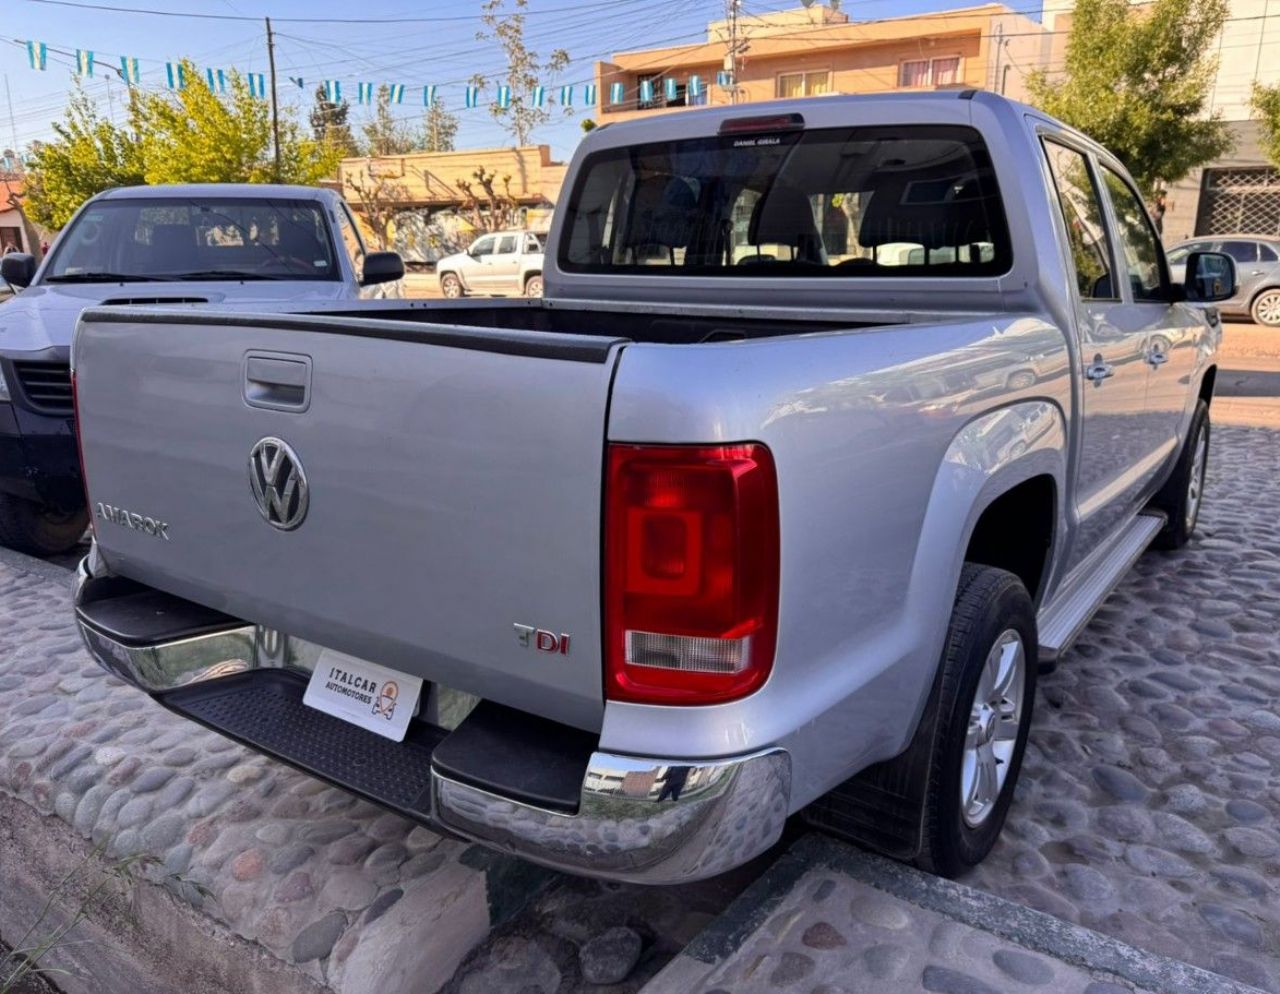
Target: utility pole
(275,108)
(731,56)
(13,126)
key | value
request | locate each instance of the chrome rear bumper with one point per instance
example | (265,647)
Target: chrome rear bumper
(640,819)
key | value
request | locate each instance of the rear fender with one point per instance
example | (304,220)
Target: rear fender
(987,458)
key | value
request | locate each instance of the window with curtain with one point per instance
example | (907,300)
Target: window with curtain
(946,72)
(804,84)
(915,73)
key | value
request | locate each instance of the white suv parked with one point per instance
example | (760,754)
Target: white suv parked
(505,262)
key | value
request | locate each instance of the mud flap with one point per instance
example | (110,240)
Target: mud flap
(882,808)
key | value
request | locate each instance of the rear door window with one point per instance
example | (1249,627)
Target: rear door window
(506,245)
(857,202)
(1241,251)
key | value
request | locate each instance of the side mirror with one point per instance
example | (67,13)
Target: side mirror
(1211,277)
(18,269)
(382,267)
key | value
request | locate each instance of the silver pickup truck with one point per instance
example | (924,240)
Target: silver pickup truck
(837,422)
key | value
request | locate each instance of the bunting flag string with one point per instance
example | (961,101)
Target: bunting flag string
(645,91)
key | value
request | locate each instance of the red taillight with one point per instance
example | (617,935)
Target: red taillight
(691,572)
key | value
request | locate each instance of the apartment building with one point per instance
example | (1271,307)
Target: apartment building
(818,50)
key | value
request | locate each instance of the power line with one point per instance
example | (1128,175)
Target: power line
(306,20)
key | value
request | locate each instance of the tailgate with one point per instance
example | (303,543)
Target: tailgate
(452,477)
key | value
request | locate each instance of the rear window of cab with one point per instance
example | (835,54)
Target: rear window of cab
(840,202)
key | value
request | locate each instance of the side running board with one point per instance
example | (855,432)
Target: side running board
(1063,620)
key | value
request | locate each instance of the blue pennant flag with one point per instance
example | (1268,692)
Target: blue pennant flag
(695,87)
(129,70)
(566,96)
(617,93)
(397,93)
(333,91)
(646,91)
(589,94)
(504,96)
(724,78)
(175,75)
(38,55)
(364,93)
(217,80)
(671,88)
(538,96)
(429,95)
(472,96)
(84,62)
(257,84)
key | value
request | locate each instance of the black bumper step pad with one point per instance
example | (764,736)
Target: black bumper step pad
(264,710)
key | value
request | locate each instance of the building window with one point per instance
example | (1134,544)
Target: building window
(804,84)
(920,73)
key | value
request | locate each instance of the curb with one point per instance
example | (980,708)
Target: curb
(1033,930)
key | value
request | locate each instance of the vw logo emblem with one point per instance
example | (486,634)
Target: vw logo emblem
(278,482)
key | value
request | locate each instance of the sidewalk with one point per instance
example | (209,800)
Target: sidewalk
(830,918)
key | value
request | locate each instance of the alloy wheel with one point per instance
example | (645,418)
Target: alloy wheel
(994,720)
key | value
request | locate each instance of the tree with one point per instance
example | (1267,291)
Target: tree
(198,136)
(383,134)
(88,155)
(1265,102)
(525,69)
(329,123)
(490,209)
(439,128)
(587,124)
(381,197)
(1138,80)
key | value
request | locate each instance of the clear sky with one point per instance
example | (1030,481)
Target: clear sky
(433,42)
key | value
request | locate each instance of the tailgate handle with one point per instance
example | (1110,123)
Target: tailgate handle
(277,382)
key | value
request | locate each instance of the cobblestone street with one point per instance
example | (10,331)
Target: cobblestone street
(1150,797)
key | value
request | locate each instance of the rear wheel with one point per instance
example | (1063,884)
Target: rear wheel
(1183,494)
(533,286)
(1266,308)
(451,286)
(984,703)
(41,531)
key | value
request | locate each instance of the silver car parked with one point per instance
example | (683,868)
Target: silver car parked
(1257,267)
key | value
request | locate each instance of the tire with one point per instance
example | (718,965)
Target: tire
(989,659)
(1182,496)
(451,286)
(533,286)
(39,531)
(1265,308)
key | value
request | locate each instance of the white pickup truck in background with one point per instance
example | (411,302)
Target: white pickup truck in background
(503,263)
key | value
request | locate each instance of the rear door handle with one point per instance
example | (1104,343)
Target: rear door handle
(1099,371)
(277,381)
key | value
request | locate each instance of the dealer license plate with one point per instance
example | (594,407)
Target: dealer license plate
(374,697)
